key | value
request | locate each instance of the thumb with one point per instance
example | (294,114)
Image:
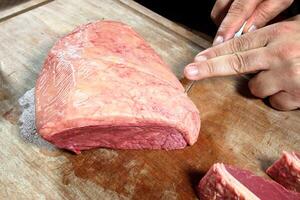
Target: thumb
(238,13)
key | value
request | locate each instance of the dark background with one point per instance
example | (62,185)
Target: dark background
(195,14)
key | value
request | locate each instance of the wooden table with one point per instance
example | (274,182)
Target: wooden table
(236,128)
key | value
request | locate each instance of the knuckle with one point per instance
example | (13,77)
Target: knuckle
(240,43)
(238,63)
(276,29)
(282,28)
(210,68)
(283,52)
(236,44)
(288,50)
(237,8)
(214,52)
(264,14)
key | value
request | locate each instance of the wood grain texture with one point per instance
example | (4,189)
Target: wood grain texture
(11,8)
(236,128)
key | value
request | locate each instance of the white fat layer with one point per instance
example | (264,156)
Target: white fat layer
(239,187)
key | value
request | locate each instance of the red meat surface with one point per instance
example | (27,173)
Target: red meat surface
(286,171)
(102,85)
(229,182)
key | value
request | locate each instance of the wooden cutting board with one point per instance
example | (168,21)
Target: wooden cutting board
(236,128)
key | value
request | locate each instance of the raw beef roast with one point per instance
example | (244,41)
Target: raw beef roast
(286,171)
(103,86)
(231,183)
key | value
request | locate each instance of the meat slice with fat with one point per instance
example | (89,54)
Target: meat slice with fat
(286,170)
(102,85)
(231,183)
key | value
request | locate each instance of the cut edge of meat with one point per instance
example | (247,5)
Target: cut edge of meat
(286,170)
(149,136)
(219,183)
(50,129)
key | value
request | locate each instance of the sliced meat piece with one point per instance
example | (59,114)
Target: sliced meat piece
(228,182)
(286,171)
(218,183)
(103,86)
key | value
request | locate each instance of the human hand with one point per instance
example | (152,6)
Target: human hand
(273,51)
(231,14)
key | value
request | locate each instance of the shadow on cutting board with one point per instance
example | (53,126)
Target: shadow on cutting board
(242,87)
(266,162)
(195,177)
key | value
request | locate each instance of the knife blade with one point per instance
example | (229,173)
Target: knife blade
(240,32)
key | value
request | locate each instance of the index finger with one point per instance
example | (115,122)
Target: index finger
(237,63)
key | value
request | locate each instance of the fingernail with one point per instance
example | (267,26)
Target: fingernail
(252,28)
(191,70)
(219,39)
(200,58)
